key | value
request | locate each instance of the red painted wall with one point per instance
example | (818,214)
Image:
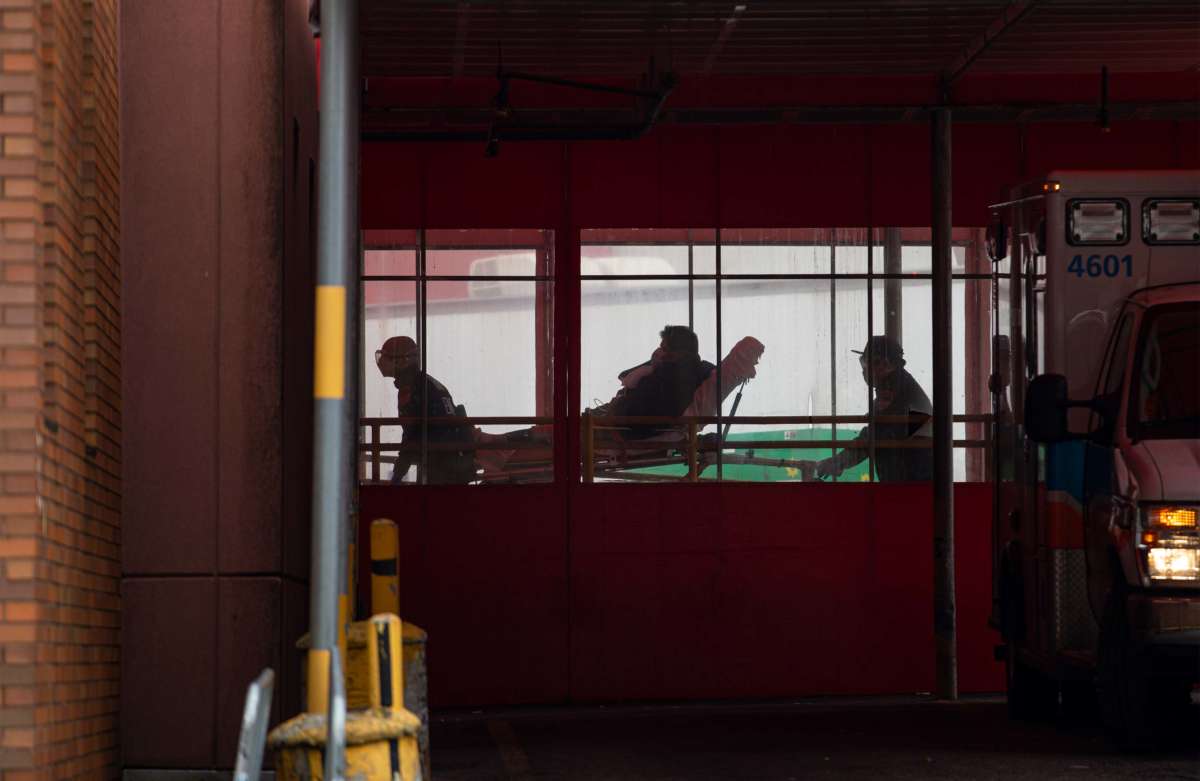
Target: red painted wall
(742,176)
(605,592)
(673,592)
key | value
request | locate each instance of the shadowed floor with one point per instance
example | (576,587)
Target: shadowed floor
(834,738)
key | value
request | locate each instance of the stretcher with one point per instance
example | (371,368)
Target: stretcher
(616,448)
(611,450)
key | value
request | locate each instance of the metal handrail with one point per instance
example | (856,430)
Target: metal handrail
(496,420)
(592,423)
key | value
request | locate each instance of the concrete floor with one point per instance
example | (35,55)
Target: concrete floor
(905,738)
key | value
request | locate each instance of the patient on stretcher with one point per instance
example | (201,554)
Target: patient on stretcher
(674,383)
(662,386)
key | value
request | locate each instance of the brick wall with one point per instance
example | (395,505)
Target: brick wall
(59,389)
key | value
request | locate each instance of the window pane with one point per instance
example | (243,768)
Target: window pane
(621,323)
(489,253)
(463,348)
(487,348)
(792,320)
(775,251)
(972,367)
(389,310)
(389,253)
(647,252)
(850,251)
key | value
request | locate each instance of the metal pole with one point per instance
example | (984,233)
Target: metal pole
(336,307)
(833,408)
(691,285)
(871,475)
(717,358)
(944,619)
(893,303)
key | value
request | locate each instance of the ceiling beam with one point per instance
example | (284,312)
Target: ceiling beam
(1014,12)
(471,123)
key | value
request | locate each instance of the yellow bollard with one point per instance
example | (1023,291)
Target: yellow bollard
(385,567)
(385,663)
(416,686)
(380,746)
(317,680)
(382,738)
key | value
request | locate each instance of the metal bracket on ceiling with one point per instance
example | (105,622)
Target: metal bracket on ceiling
(1014,12)
(501,129)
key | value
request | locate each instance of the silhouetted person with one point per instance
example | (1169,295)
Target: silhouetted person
(896,394)
(417,391)
(662,386)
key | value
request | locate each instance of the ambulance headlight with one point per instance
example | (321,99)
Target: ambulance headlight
(1169,541)
(1173,563)
(1171,221)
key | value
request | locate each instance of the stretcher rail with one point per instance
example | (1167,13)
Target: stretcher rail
(690,445)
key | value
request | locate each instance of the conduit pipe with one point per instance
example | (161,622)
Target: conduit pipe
(546,132)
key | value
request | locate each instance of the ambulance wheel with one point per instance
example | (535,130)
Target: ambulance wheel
(1031,695)
(1124,679)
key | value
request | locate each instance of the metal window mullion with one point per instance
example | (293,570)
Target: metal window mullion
(870,376)
(423,331)
(738,277)
(359,433)
(691,286)
(720,387)
(833,339)
(487,245)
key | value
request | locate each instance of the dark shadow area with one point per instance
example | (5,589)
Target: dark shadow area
(817,738)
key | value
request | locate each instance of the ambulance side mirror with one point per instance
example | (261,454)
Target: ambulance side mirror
(996,240)
(1046,409)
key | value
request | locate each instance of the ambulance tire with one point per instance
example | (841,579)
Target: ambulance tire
(1124,679)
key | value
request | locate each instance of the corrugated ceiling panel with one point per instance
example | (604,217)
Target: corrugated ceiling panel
(427,38)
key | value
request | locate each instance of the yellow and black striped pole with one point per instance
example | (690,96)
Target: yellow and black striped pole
(335,339)
(376,743)
(385,567)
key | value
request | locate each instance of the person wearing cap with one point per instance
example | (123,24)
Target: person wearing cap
(897,394)
(416,391)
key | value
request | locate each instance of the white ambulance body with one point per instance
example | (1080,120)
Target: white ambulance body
(1096,388)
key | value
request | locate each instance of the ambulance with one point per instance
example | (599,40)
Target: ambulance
(1095,455)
